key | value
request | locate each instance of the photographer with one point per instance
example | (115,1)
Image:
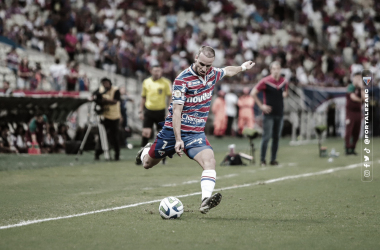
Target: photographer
(107,98)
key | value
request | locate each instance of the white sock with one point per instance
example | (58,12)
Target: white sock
(208,183)
(144,153)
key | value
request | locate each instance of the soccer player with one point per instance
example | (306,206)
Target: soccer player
(183,131)
(354,96)
(275,88)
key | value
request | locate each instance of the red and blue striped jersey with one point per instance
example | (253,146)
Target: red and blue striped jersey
(194,93)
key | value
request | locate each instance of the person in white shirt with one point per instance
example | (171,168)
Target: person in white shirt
(58,72)
(231,100)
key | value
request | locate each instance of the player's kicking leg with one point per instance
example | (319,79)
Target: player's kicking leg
(206,159)
(144,158)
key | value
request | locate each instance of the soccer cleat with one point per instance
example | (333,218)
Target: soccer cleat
(273,163)
(210,202)
(138,156)
(263,163)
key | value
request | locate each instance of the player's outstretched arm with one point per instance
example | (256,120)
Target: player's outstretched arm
(233,70)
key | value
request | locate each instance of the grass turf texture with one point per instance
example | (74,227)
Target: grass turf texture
(331,211)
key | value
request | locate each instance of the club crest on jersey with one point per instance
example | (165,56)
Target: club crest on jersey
(160,152)
(209,83)
(367,80)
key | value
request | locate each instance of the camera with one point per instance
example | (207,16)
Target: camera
(98,97)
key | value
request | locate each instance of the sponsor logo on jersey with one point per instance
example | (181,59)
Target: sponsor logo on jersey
(199,140)
(177,93)
(201,98)
(193,120)
(194,83)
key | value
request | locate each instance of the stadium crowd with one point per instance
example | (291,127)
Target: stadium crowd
(52,139)
(318,42)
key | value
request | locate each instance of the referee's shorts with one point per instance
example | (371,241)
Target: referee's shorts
(153,117)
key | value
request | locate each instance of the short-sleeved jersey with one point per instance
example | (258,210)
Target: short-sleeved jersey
(272,93)
(350,104)
(34,126)
(194,93)
(156,92)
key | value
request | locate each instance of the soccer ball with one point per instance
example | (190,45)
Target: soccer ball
(170,208)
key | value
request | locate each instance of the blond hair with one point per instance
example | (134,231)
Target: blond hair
(207,51)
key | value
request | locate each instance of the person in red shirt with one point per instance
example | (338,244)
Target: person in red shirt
(353,113)
(72,78)
(274,88)
(71,44)
(24,74)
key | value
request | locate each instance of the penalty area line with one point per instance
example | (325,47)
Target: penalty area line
(290,177)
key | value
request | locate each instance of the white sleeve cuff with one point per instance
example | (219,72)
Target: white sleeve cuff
(178,102)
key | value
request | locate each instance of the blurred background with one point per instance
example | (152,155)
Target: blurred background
(54,53)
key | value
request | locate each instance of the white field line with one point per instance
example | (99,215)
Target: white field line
(327,171)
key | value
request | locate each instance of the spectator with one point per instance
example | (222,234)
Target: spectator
(58,72)
(37,78)
(72,77)
(20,139)
(84,83)
(24,74)
(71,44)
(6,89)
(231,100)
(12,61)
(62,133)
(246,115)
(6,144)
(220,117)
(109,53)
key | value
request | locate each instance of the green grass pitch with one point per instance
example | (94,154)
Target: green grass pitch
(328,211)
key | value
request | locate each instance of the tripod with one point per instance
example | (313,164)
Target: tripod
(91,122)
(251,134)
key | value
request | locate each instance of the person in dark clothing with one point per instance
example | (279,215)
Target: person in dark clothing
(353,113)
(274,88)
(109,98)
(331,117)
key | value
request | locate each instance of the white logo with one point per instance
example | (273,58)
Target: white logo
(201,98)
(209,83)
(160,152)
(196,140)
(193,120)
(183,87)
